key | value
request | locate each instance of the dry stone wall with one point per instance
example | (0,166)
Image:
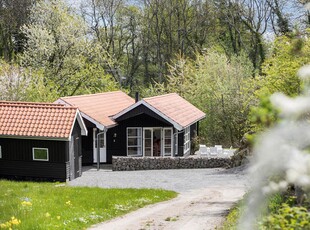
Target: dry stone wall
(149,163)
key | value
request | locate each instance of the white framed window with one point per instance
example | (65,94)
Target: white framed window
(134,141)
(40,154)
(0,152)
(187,140)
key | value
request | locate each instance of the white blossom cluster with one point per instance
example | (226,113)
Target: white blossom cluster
(282,154)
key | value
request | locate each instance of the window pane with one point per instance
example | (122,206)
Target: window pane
(167,133)
(148,152)
(134,151)
(167,142)
(167,151)
(148,134)
(148,142)
(132,132)
(132,141)
(40,154)
(101,142)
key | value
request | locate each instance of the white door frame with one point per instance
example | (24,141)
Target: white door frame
(103,151)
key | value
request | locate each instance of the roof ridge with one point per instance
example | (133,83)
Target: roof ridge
(163,95)
(56,106)
(29,103)
(88,95)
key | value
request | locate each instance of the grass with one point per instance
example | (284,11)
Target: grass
(30,205)
(231,221)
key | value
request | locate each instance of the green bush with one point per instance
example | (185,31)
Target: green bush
(287,218)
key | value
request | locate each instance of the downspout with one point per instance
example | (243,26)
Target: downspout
(98,149)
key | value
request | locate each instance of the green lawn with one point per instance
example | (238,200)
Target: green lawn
(30,205)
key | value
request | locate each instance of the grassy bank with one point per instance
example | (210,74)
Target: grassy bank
(29,205)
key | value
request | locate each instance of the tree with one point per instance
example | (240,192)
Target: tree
(279,75)
(13,14)
(215,84)
(58,47)
(14,82)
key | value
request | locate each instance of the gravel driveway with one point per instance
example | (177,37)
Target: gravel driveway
(205,196)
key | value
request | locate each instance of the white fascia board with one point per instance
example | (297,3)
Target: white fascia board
(127,110)
(142,102)
(84,131)
(98,124)
(81,123)
(71,130)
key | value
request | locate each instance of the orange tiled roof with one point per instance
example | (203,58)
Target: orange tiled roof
(176,108)
(41,120)
(101,106)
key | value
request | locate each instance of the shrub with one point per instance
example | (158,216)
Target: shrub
(297,218)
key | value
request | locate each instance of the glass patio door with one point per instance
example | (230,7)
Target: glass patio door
(148,142)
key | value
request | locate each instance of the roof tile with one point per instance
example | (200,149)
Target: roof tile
(28,119)
(101,106)
(176,108)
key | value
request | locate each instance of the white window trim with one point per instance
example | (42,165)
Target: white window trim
(187,140)
(141,140)
(40,159)
(0,152)
(176,143)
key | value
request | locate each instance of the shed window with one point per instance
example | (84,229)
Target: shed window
(0,152)
(134,141)
(187,140)
(40,154)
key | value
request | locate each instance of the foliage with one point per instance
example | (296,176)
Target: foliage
(280,214)
(13,82)
(54,205)
(39,89)
(58,48)
(263,115)
(288,54)
(232,218)
(287,218)
(280,69)
(13,14)
(214,83)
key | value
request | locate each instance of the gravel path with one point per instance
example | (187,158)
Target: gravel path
(205,196)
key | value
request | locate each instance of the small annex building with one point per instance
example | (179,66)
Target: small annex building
(158,126)
(40,140)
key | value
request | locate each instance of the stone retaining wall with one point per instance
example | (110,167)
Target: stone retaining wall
(147,163)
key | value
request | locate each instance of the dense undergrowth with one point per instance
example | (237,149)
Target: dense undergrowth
(283,212)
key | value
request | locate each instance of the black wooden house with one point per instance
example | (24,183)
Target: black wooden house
(40,140)
(161,126)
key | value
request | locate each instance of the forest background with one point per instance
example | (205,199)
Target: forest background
(224,56)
